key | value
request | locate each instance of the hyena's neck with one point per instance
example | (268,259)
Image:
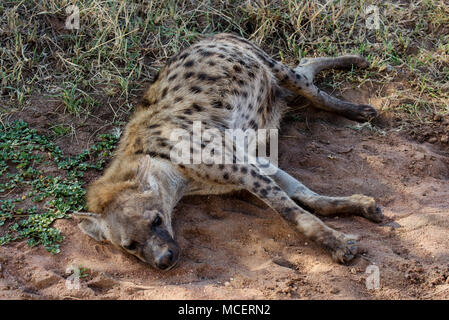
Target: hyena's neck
(168,182)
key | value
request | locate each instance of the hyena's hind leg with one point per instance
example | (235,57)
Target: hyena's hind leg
(356,204)
(306,72)
(300,80)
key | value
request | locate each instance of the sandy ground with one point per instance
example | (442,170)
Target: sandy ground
(234,247)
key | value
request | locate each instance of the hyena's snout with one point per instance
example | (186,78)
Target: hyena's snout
(167,259)
(162,252)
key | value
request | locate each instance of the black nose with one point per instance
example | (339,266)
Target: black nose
(165,260)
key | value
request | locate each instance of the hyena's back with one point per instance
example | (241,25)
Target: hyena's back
(220,81)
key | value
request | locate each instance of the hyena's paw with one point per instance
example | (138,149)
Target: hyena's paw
(342,247)
(361,112)
(368,208)
(366,111)
(360,62)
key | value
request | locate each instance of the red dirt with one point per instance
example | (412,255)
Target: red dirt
(234,247)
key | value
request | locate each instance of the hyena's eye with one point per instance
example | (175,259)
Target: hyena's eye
(132,246)
(157,221)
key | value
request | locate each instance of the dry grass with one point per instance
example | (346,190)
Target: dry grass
(121,44)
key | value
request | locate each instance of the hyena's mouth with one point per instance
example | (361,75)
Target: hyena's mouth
(171,267)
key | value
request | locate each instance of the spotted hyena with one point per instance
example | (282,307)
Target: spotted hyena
(223,82)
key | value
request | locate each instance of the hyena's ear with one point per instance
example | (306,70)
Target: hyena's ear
(91,224)
(145,180)
(142,169)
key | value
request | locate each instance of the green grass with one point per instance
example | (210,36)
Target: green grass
(121,45)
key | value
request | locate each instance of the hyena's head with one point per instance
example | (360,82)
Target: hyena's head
(135,221)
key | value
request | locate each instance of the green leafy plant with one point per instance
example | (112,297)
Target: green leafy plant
(40,198)
(83,272)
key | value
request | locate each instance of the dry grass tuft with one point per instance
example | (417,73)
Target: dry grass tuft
(121,44)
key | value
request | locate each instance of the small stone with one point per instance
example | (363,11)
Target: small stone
(432,140)
(392,225)
(353,270)
(44,279)
(227,284)
(285,290)
(444,139)
(102,282)
(445,87)
(335,290)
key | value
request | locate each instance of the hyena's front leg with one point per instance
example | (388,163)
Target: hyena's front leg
(342,247)
(356,204)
